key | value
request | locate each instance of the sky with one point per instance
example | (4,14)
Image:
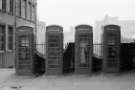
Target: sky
(73,12)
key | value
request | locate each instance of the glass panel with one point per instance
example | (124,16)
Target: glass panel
(112,57)
(18,9)
(52,66)
(10,38)
(11,6)
(4,5)
(0,4)
(24,48)
(84,54)
(26,67)
(30,10)
(2,37)
(24,42)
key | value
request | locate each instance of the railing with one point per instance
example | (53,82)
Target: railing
(41,48)
(97,49)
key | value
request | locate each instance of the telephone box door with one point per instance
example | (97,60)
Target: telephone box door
(24,51)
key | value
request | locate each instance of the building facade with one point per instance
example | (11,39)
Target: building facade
(111,48)
(83,49)
(54,49)
(14,14)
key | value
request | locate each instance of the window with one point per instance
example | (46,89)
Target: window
(54,44)
(30,10)
(33,12)
(53,53)
(2,37)
(18,7)
(26,67)
(53,61)
(53,38)
(4,5)
(11,6)
(24,4)
(25,8)
(8,6)
(0,4)
(84,54)
(10,38)
(24,48)
(24,54)
(25,42)
(52,66)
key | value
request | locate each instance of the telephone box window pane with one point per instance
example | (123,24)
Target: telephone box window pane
(53,44)
(52,66)
(30,10)
(24,48)
(24,54)
(84,54)
(52,62)
(112,55)
(26,67)
(25,42)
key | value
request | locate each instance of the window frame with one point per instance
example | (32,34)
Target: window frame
(0,5)
(18,8)
(4,5)
(8,49)
(11,8)
(24,9)
(1,51)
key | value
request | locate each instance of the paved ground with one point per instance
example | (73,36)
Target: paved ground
(125,81)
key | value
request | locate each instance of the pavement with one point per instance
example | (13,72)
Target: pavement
(10,81)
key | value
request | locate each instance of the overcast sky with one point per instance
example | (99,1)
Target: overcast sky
(73,12)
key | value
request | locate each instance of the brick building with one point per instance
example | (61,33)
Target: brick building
(14,14)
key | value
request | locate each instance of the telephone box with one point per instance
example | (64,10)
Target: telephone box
(54,49)
(111,48)
(83,49)
(24,50)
